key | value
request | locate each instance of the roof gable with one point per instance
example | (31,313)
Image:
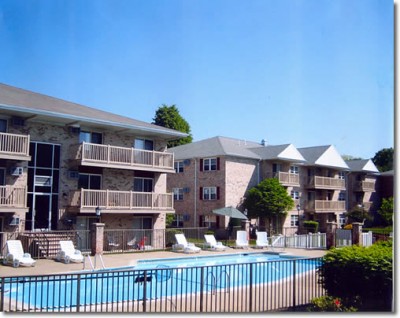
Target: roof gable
(365,165)
(331,158)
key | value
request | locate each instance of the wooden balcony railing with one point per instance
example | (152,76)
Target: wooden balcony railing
(365,186)
(123,200)
(12,197)
(14,146)
(123,157)
(285,178)
(325,206)
(317,182)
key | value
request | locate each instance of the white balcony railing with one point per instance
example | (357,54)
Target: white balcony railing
(325,206)
(285,178)
(107,155)
(365,186)
(13,197)
(128,200)
(12,145)
(326,183)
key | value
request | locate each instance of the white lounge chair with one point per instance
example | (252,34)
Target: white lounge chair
(183,245)
(68,253)
(16,256)
(262,240)
(241,239)
(212,243)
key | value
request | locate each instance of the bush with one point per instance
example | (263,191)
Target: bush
(360,276)
(170,236)
(328,303)
(311,226)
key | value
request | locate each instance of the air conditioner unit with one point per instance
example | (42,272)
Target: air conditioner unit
(74,130)
(15,221)
(186,162)
(73,174)
(17,171)
(17,121)
(186,190)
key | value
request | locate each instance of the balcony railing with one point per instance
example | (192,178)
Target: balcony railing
(123,200)
(12,197)
(325,206)
(285,178)
(365,186)
(14,146)
(127,158)
(317,182)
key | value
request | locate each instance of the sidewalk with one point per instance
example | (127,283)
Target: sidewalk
(46,266)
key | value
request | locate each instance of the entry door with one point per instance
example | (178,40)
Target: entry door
(42,211)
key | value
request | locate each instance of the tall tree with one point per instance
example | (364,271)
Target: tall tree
(383,159)
(169,117)
(268,200)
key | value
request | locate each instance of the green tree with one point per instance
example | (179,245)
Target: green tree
(268,200)
(169,117)
(386,210)
(358,214)
(383,159)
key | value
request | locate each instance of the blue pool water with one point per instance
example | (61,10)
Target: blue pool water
(153,279)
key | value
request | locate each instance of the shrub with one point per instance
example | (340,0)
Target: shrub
(360,276)
(328,303)
(170,236)
(311,226)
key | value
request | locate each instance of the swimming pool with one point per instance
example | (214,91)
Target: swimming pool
(154,279)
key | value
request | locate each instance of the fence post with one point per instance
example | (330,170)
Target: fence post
(356,233)
(331,234)
(97,236)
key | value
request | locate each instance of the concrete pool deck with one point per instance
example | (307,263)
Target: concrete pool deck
(49,266)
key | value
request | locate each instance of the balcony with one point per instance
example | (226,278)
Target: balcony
(317,182)
(14,147)
(365,186)
(325,206)
(121,201)
(107,156)
(12,198)
(286,178)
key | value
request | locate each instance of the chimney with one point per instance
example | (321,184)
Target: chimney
(263,142)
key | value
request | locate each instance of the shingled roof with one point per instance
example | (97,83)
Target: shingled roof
(38,106)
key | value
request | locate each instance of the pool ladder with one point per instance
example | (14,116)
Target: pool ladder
(93,266)
(214,281)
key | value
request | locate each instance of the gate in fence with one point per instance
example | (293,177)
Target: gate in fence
(343,237)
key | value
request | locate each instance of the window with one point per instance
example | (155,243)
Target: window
(92,137)
(3,125)
(89,181)
(342,175)
(276,167)
(294,169)
(210,164)
(342,219)
(143,185)
(209,193)
(178,194)
(342,196)
(143,144)
(178,220)
(294,220)
(2,176)
(178,165)
(295,194)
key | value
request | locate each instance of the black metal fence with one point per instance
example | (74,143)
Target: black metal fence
(240,287)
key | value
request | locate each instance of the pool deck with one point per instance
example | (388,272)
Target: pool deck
(46,266)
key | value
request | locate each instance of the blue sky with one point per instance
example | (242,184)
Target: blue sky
(306,72)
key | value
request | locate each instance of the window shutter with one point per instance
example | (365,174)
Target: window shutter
(201,164)
(218,167)
(217,193)
(201,193)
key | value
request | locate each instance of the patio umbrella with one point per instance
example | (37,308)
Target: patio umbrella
(231,212)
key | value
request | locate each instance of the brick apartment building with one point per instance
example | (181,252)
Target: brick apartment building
(59,161)
(217,172)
